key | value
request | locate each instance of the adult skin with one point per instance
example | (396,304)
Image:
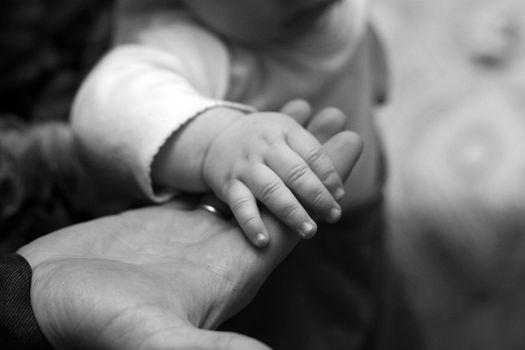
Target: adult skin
(156,278)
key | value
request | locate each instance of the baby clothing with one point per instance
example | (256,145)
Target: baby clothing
(168,69)
(325,294)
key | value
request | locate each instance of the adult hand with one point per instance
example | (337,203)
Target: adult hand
(145,279)
(150,278)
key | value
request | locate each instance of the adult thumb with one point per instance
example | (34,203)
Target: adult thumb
(344,149)
(199,339)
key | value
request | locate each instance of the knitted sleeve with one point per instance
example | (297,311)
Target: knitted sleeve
(18,326)
(164,71)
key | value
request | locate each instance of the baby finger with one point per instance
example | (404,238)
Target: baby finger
(277,197)
(244,207)
(311,151)
(304,183)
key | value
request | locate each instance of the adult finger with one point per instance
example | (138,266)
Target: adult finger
(298,109)
(344,149)
(326,124)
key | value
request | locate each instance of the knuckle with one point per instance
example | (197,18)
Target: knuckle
(266,141)
(226,189)
(251,223)
(290,212)
(315,155)
(319,198)
(297,172)
(240,204)
(270,190)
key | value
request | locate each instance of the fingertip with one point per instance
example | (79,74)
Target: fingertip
(345,149)
(298,109)
(339,193)
(334,184)
(261,240)
(297,105)
(354,139)
(333,116)
(308,229)
(334,215)
(327,123)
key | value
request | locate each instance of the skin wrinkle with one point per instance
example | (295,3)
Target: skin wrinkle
(62,291)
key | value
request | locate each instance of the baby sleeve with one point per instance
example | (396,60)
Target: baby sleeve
(164,71)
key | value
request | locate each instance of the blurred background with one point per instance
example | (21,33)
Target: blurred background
(454,131)
(46,49)
(455,136)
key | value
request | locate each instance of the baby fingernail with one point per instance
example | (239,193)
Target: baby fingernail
(261,240)
(339,193)
(335,215)
(307,229)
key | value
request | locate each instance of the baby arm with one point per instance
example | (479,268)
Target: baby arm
(143,91)
(132,120)
(267,157)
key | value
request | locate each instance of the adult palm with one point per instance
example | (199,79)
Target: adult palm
(147,279)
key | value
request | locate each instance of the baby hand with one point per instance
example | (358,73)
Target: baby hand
(269,157)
